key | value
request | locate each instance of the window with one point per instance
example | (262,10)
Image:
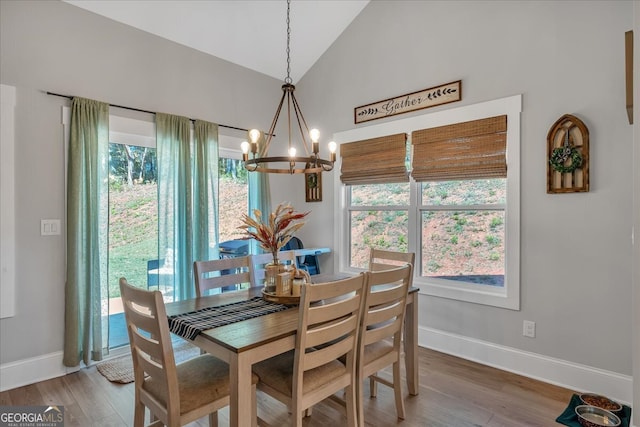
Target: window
(233,200)
(464,231)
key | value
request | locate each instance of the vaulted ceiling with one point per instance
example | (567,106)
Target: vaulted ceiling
(250,33)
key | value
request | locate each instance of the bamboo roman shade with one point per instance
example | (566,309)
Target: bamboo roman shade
(376,160)
(469,150)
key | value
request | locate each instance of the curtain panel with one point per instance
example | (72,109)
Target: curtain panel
(259,193)
(469,150)
(376,160)
(187,196)
(86,288)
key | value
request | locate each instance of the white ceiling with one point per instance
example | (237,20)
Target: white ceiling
(250,33)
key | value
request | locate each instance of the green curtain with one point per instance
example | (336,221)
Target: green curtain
(205,190)
(86,289)
(259,194)
(187,196)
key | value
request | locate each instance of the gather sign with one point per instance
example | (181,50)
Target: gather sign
(438,95)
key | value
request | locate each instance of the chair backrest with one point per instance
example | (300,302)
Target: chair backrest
(328,328)
(385,305)
(151,348)
(260,260)
(219,273)
(380,259)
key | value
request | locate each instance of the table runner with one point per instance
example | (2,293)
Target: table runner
(189,325)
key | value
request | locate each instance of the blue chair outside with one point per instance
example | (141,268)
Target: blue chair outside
(305,262)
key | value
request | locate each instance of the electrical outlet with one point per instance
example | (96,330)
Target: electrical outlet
(529,329)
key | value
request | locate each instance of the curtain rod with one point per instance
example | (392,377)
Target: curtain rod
(142,111)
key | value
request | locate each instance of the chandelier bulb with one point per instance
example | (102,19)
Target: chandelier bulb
(244,147)
(314,134)
(292,152)
(332,146)
(254,135)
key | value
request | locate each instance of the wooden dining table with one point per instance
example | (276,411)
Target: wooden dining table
(244,343)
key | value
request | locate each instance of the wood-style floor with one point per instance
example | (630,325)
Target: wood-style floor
(453,393)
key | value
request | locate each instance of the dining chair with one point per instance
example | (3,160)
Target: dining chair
(258,262)
(174,394)
(328,328)
(381,259)
(381,331)
(221,273)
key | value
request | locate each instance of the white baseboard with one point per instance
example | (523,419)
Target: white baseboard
(32,370)
(559,372)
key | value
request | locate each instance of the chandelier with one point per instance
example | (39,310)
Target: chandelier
(292,164)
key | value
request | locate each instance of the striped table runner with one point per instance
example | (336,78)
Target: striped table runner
(189,325)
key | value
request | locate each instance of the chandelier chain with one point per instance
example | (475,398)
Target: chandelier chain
(288,79)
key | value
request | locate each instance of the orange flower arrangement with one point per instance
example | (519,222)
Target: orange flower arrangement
(273,233)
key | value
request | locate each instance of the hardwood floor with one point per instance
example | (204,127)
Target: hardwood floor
(453,393)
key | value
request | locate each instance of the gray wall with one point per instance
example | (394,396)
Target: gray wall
(564,57)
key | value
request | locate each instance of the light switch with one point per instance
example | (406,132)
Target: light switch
(49,227)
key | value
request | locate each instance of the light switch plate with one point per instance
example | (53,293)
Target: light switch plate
(49,227)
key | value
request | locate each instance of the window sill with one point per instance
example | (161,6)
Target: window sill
(479,294)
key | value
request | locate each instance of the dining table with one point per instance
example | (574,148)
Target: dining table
(242,342)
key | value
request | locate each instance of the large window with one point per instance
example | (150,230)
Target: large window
(465,232)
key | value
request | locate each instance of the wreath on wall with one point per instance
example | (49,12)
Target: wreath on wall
(560,155)
(559,158)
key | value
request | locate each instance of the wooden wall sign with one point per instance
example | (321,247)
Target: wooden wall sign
(443,94)
(313,187)
(568,156)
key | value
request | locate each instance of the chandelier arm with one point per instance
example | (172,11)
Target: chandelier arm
(272,129)
(303,121)
(289,119)
(300,120)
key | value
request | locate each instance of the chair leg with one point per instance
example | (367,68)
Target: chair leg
(213,419)
(360,402)
(397,390)
(352,410)
(254,407)
(373,386)
(138,416)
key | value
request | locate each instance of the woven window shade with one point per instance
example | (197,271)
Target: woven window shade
(374,161)
(469,150)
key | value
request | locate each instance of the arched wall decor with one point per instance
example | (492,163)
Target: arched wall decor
(568,156)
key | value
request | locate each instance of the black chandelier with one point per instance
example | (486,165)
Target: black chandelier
(291,164)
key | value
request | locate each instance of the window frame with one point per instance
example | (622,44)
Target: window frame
(504,297)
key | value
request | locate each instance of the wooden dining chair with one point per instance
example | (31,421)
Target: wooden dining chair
(328,328)
(381,259)
(221,273)
(174,394)
(260,260)
(381,331)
